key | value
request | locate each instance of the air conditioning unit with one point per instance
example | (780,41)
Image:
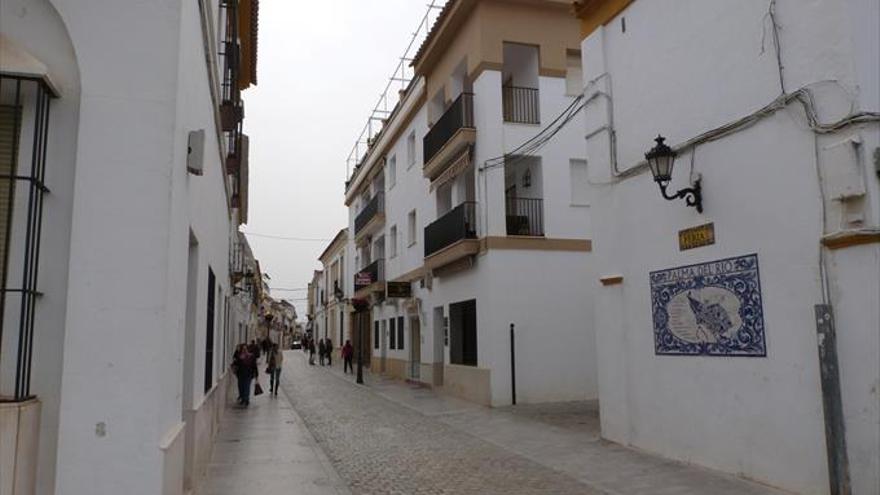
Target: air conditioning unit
(195,152)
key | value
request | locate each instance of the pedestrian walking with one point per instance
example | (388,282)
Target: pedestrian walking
(347,353)
(311,352)
(254,349)
(328,348)
(244,365)
(274,360)
(322,349)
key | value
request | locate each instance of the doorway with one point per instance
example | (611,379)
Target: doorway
(415,348)
(439,345)
(383,345)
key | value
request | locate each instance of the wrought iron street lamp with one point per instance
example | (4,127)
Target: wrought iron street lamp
(661,159)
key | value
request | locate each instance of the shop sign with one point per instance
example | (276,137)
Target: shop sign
(398,289)
(712,309)
(363,279)
(694,237)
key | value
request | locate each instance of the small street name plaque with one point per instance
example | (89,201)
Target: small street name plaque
(694,237)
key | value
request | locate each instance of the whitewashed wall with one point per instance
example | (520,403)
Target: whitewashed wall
(758,417)
(37,28)
(132,209)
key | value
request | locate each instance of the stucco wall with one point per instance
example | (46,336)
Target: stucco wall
(36,27)
(757,417)
(134,206)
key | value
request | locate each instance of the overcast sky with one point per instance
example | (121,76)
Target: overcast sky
(320,69)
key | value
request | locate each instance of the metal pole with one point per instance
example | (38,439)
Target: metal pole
(835,435)
(360,373)
(512,365)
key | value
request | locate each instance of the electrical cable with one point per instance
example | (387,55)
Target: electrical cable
(284,238)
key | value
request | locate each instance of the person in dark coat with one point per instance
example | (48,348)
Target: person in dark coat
(245,367)
(328,350)
(311,352)
(347,353)
(322,350)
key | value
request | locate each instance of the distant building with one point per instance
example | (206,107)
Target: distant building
(475,225)
(333,313)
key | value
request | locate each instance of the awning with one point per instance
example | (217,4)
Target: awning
(458,166)
(15,61)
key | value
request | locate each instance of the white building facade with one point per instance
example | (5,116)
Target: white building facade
(709,339)
(124,181)
(452,245)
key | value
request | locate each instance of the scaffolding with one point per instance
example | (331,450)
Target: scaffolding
(400,80)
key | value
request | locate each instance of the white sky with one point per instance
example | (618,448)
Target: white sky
(320,69)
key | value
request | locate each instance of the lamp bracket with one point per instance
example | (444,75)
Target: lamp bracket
(693,196)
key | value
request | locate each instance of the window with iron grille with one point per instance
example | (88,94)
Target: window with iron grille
(24,128)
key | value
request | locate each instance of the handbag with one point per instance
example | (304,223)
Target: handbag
(258,390)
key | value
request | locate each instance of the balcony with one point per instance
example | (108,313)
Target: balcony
(459,223)
(370,278)
(520,105)
(452,237)
(525,216)
(372,214)
(449,136)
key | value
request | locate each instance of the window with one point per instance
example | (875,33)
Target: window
(463,333)
(574,74)
(392,171)
(400,333)
(411,149)
(375,335)
(392,248)
(209,333)
(392,335)
(579,182)
(411,231)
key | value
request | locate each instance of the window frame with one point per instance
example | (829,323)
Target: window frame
(584,200)
(392,241)
(412,228)
(391,169)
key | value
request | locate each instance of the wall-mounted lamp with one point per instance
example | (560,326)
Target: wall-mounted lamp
(661,158)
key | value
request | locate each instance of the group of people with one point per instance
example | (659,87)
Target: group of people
(324,349)
(245,366)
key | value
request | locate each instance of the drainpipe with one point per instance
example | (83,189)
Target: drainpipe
(835,434)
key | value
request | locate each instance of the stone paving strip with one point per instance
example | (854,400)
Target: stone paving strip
(266,449)
(392,438)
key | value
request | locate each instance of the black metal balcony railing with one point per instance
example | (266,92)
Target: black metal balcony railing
(373,208)
(459,223)
(372,273)
(520,105)
(459,115)
(525,216)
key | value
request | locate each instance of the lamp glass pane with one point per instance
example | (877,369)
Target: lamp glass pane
(664,167)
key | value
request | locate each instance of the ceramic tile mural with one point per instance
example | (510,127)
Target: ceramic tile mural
(711,308)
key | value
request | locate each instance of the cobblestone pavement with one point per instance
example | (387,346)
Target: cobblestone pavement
(391,437)
(379,447)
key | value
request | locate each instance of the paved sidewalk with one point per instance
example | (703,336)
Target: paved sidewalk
(564,437)
(267,450)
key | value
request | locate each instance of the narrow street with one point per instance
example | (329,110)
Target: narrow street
(392,438)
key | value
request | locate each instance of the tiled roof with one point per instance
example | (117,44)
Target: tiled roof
(441,17)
